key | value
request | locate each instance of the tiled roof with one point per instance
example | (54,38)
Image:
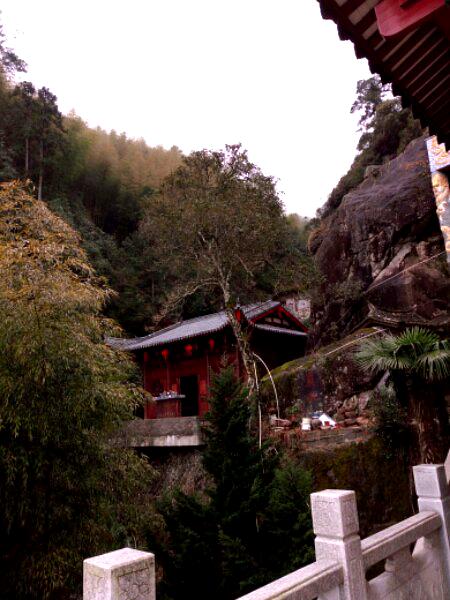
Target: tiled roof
(416,62)
(174,333)
(282,330)
(190,328)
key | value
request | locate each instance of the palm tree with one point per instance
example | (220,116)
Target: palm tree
(417,359)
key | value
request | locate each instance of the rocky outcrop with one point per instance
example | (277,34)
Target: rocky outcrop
(328,380)
(378,251)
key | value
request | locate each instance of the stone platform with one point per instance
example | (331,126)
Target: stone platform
(176,432)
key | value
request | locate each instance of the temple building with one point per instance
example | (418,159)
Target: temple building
(178,361)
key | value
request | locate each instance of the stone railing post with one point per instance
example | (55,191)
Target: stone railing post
(124,574)
(433,494)
(336,525)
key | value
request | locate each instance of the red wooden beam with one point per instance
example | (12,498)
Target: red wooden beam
(399,16)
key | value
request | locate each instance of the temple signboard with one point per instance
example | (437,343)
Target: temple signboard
(439,160)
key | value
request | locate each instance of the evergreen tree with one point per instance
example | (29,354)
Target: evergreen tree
(386,129)
(255,525)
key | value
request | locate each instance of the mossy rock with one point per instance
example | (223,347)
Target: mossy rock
(381,481)
(322,379)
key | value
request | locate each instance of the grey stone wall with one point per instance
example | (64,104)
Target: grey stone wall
(166,433)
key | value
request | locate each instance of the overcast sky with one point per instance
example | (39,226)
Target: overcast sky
(270,74)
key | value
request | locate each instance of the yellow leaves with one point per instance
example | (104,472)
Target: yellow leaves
(40,255)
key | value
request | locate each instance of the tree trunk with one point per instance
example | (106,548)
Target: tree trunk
(41,169)
(27,156)
(244,350)
(431,435)
(241,337)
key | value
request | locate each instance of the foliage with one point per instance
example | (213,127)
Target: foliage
(348,290)
(386,128)
(238,539)
(218,226)
(115,175)
(9,61)
(107,186)
(414,357)
(370,93)
(65,494)
(416,350)
(391,420)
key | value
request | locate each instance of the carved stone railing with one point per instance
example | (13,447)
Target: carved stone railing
(124,574)
(340,571)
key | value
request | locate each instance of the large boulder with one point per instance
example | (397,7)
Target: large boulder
(378,251)
(329,379)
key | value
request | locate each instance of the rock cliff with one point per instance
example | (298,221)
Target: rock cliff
(381,253)
(328,380)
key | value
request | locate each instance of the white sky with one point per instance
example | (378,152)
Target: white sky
(271,74)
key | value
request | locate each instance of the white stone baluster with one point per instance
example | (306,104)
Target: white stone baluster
(124,574)
(433,494)
(336,525)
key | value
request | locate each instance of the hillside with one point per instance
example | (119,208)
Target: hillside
(381,253)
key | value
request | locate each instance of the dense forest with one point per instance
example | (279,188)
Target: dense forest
(109,188)
(98,230)
(104,235)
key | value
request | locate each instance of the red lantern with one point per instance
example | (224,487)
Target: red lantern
(188,349)
(211,344)
(165,354)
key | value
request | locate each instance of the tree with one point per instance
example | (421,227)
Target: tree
(23,115)
(64,492)
(386,129)
(9,64)
(218,225)
(9,61)
(255,525)
(370,93)
(417,359)
(49,131)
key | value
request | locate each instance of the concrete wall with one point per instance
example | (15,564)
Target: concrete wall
(162,433)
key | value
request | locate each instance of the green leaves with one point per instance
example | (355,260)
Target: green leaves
(63,491)
(235,541)
(218,225)
(414,357)
(416,350)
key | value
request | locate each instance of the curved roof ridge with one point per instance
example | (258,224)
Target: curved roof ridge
(194,327)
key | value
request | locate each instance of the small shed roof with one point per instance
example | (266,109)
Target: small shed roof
(202,326)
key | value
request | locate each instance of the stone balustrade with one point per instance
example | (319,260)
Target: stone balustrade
(124,574)
(307,583)
(343,559)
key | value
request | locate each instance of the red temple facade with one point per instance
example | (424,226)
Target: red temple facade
(179,361)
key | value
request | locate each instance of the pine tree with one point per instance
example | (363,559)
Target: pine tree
(255,525)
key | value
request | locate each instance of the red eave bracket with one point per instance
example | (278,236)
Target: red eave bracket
(397,16)
(280,308)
